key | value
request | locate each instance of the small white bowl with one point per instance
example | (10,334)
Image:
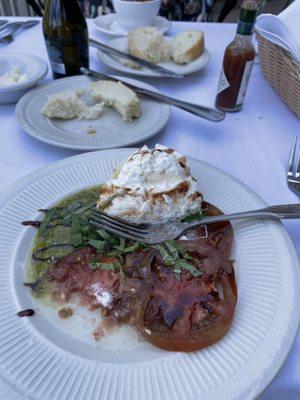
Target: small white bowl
(134,14)
(35,69)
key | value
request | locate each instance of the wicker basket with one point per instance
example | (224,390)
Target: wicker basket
(281,71)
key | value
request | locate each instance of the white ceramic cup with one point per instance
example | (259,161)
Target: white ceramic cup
(134,14)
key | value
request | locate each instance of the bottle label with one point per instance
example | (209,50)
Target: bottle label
(56,60)
(244,83)
(223,82)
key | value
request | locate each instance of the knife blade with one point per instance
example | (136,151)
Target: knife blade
(154,67)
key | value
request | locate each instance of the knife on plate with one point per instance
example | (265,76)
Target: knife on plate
(210,114)
(143,63)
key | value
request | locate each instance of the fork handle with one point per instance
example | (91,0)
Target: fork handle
(22,26)
(287,211)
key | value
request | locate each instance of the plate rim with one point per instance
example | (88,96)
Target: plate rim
(36,134)
(146,74)
(10,191)
(123,34)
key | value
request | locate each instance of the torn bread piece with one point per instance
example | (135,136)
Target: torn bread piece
(68,105)
(119,97)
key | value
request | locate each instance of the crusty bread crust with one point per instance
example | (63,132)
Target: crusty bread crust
(193,52)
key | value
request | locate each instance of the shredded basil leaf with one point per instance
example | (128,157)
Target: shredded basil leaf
(106,236)
(100,245)
(76,239)
(104,266)
(47,219)
(195,216)
(131,249)
(189,267)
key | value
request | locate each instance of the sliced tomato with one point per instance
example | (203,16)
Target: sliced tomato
(194,312)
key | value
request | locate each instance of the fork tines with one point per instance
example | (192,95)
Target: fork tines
(293,170)
(119,227)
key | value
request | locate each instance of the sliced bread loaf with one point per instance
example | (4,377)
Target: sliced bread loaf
(187,46)
(149,44)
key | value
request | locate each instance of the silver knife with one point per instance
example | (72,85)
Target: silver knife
(210,114)
(137,60)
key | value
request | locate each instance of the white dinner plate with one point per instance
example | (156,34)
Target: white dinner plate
(121,44)
(110,25)
(8,392)
(42,362)
(111,130)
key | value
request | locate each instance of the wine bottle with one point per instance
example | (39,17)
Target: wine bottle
(66,36)
(237,62)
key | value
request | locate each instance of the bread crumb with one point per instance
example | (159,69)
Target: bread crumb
(91,131)
(131,64)
(66,313)
(98,333)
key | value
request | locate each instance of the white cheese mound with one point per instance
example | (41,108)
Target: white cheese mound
(12,77)
(68,105)
(119,97)
(151,186)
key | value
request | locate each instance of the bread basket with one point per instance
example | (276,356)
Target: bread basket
(281,71)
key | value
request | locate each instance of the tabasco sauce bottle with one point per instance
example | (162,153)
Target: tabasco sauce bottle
(238,60)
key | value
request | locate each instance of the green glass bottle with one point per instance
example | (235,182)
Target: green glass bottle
(66,36)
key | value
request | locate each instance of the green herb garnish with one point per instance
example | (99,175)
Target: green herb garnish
(47,219)
(110,239)
(100,245)
(105,266)
(174,255)
(68,224)
(195,216)
(179,264)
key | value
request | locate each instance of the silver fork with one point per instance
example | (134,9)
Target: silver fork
(7,39)
(9,27)
(293,171)
(157,233)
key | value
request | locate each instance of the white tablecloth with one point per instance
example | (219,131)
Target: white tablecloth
(253,145)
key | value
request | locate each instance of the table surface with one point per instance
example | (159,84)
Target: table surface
(252,145)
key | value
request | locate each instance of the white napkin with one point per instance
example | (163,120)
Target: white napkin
(283,29)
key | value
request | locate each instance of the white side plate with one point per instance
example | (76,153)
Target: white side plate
(183,69)
(34,67)
(44,363)
(111,130)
